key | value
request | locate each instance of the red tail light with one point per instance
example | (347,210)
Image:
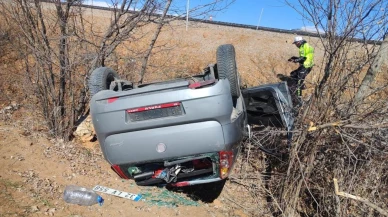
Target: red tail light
(226,160)
(118,170)
(180,184)
(111,100)
(201,83)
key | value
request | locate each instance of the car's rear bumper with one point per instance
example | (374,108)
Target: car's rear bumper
(171,142)
(164,143)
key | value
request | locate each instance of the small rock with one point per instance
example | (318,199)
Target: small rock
(34,208)
(85,128)
(14,105)
(51,211)
(26,133)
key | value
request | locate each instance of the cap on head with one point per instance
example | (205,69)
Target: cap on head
(298,39)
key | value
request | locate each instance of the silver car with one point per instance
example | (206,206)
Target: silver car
(182,132)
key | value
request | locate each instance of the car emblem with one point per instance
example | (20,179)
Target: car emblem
(161,147)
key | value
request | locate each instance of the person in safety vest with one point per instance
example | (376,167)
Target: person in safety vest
(306,63)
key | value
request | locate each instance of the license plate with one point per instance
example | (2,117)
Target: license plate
(152,112)
(102,189)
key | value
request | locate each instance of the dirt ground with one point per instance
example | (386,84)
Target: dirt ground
(35,171)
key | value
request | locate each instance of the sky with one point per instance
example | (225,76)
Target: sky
(264,13)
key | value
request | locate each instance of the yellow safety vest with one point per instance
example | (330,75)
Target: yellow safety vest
(305,50)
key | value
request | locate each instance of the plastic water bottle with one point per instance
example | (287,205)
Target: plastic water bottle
(81,196)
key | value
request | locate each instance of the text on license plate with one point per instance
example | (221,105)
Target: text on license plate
(156,111)
(102,189)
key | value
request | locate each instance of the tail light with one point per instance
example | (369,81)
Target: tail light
(226,160)
(119,171)
(180,184)
(107,101)
(202,83)
(111,100)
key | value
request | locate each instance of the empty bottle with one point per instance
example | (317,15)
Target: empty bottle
(81,196)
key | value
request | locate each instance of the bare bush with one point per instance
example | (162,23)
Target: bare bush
(59,45)
(337,134)
(43,48)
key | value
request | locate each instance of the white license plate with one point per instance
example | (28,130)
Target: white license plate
(102,189)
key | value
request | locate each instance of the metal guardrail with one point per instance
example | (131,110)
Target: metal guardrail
(269,29)
(294,32)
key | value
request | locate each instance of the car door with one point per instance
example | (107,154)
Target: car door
(269,105)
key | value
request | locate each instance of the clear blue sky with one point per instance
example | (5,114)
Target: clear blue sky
(274,13)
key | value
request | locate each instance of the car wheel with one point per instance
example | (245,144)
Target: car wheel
(227,68)
(100,79)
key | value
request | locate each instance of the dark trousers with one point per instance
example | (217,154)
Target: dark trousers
(296,81)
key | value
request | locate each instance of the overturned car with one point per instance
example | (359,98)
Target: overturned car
(185,131)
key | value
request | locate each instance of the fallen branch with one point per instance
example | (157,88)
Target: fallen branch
(343,194)
(334,124)
(346,124)
(376,126)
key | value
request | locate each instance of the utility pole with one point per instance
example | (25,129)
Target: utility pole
(187,13)
(259,19)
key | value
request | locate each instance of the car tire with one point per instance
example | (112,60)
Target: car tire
(227,68)
(100,79)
